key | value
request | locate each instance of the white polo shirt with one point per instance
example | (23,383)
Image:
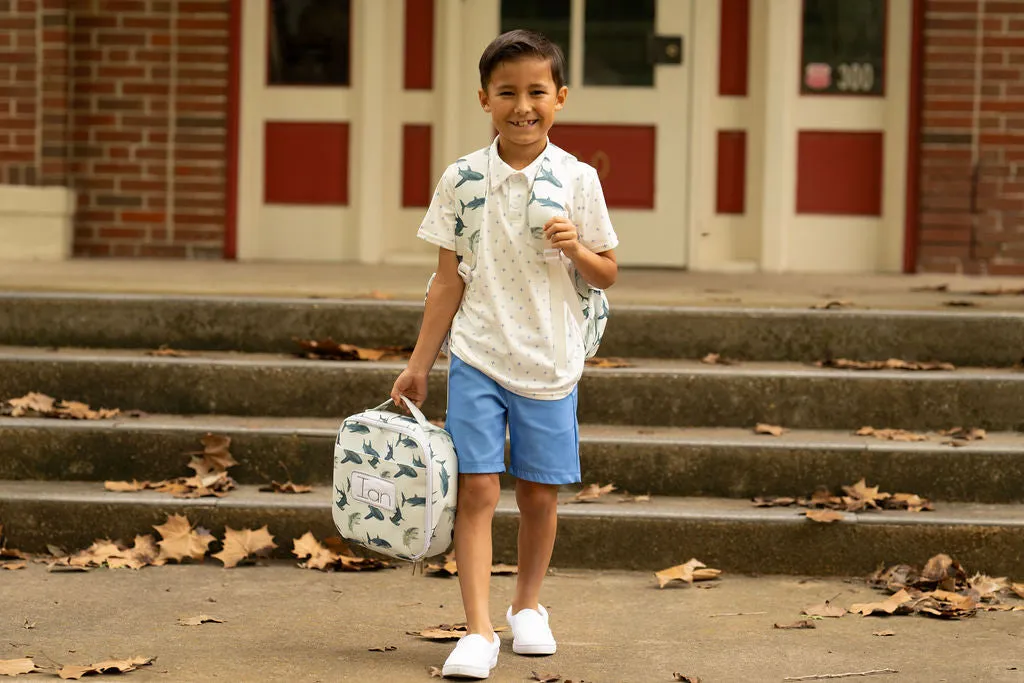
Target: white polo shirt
(504,326)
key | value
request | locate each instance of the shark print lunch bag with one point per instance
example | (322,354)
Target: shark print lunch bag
(395,483)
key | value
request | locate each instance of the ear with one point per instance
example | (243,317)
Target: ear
(560,97)
(485,102)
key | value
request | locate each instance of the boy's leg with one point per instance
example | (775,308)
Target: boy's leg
(478,497)
(538,522)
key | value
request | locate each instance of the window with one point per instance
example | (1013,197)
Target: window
(617,43)
(843,47)
(550,17)
(309,42)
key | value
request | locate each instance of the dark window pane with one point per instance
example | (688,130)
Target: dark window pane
(843,47)
(308,42)
(616,45)
(550,17)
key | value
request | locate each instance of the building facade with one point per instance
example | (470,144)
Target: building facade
(730,135)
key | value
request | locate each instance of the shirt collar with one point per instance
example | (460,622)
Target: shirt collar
(500,172)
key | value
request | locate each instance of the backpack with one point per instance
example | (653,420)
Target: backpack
(395,483)
(588,305)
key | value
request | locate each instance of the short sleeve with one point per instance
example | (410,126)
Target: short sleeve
(438,226)
(592,219)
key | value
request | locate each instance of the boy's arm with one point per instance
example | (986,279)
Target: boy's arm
(599,270)
(442,303)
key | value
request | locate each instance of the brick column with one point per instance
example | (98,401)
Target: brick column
(972,181)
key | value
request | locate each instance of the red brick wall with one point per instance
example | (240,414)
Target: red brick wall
(144,140)
(972,191)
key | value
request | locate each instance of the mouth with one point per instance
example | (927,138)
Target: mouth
(524,124)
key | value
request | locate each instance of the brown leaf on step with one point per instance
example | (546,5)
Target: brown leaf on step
(435,672)
(907,501)
(328,349)
(243,545)
(824,609)
(166,351)
(884,633)
(319,556)
(829,305)
(683,678)
(931,288)
(383,648)
(802,624)
(9,553)
(945,604)
(504,569)
(960,303)
(894,604)
(32,402)
(215,456)
(984,587)
(199,620)
(126,486)
(16,667)
(824,516)
(773,501)
(890,364)
(104,667)
(546,677)
(1018,589)
(598,362)
(591,493)
(180,541)
(145,552)
(773,430)
(35,404)
(860,496)
(717,359)
(693,570)
(287,487)
(961,434)
(445,567)
(12,565)
(891,434)
(627,498)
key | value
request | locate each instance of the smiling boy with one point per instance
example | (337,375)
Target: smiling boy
(516,349)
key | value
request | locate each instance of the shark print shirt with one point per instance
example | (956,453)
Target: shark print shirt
(504,327)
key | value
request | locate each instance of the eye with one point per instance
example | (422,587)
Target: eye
(505,93)
(539,92)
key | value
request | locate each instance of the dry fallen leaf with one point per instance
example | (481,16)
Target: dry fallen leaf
(829,305)
(319,556)
(772,430)
(106,666)
(328,349)
(960,303)
(126,486)
(504,569)
(244,545)
(287,487)
(884,633)
(802,624)
(383,648)
(591,493)
(16,667)
(448,631)
(166,351)
(627,498)
(41,405)
(198,620)
(181,541)
(445,567)
(435,672)
(717,359)
(889,364)
(13,565)
(894,604)
(545,678)
(1018,588)
(825,609)
(693,570)
(683,678)
(598,362)
(824,516)
(891,434)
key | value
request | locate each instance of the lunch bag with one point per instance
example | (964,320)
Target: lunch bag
(395,483)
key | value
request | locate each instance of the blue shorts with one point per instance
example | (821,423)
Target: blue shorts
(544,435)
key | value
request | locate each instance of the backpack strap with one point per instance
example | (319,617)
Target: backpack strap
(470,197)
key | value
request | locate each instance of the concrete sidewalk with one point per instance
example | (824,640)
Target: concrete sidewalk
(635,286)
(290,624)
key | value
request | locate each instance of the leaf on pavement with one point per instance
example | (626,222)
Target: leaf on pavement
(717,359)
(383,648)
(448,631)
(590,493)
(166,351)
(287,487)
(16,667)
(104,667)
(126,486)
(825,609)
(599,362)
(894,604)
(435,672)
(693,570)
(12,565)
(181,541)
(683,678)
(9,553)
(1018,588)
(884,633)
(199,620)
(244,545)
(771,430)
(889,364)
(445,567)
(773,501)
(328,349)
(824,516)
(802,624)
(545,677)
(891,434)
(319,556)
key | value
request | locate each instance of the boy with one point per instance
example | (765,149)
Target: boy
(508,365)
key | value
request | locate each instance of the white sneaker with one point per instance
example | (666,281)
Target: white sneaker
(473,657)
(530,631)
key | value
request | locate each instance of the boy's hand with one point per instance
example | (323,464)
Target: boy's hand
(562,234)
(412,385)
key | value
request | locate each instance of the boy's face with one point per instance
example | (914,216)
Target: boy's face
(522,99)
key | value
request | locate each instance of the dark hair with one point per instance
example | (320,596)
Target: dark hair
(519,44)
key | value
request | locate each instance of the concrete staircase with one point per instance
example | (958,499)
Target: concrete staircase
(669,425)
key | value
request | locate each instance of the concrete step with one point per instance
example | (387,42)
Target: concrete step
(720,462)
(268,325)
(727,534)
(652,393)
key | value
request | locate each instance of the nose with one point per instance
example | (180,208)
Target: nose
(522,104)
